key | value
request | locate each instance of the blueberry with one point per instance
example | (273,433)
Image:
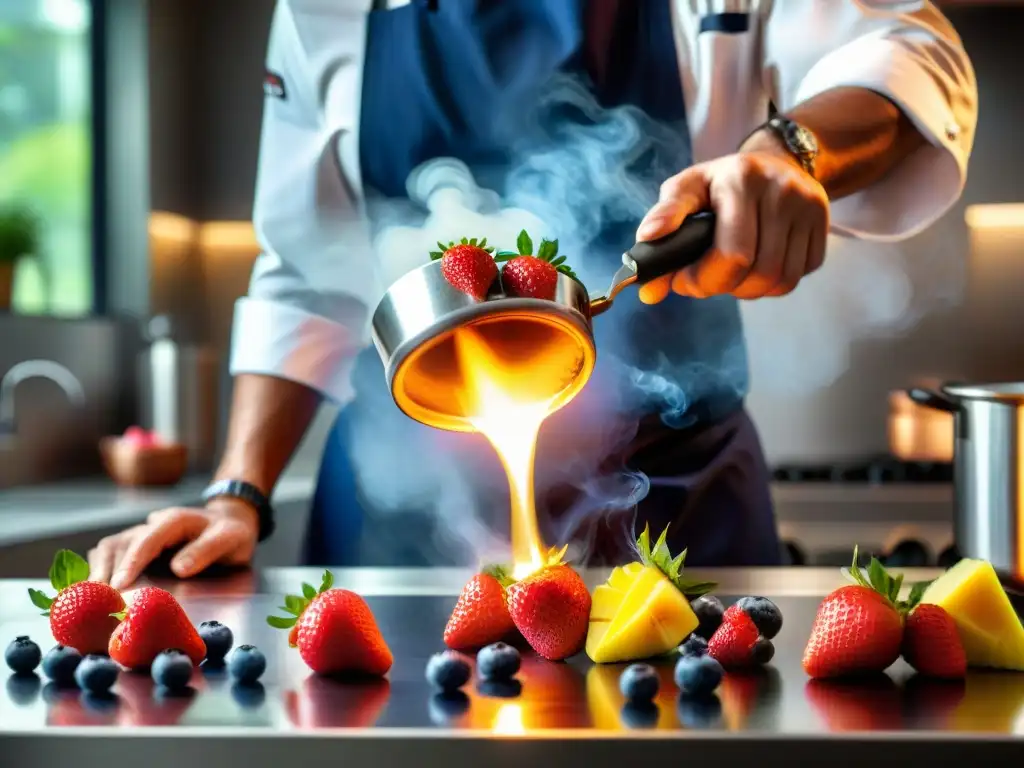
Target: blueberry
(60,663)
(764,650)
(639,683)
(22,655)
(497,662)
(96,674)
(448,670)
(698,675)
(695,645)
(709,610)
(247,664)
(764,613)
(218,639)
(172,670)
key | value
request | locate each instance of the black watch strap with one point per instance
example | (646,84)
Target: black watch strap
(250,494)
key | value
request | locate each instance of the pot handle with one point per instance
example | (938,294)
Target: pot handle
(675,251)
(932,399)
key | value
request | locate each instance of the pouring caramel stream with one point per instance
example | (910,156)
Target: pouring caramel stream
(511,424)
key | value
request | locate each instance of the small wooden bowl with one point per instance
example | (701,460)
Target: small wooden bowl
(151,465)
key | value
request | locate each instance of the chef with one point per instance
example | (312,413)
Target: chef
(791,119)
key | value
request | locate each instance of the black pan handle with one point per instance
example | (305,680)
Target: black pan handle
(686,246)
(932,399)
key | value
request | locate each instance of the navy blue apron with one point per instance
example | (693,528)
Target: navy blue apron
(660,428)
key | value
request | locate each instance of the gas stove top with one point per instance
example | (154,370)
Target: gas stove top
(874,471)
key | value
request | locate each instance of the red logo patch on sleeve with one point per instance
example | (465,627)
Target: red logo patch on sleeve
(273,85)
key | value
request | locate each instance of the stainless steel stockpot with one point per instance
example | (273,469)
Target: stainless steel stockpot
(988,470)
(547,346)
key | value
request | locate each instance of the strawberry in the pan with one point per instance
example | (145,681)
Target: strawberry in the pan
(153,622)
(80,613)
(532,275)
(481,614)
(467,265)
(334,630)
(859,628)
(551,608)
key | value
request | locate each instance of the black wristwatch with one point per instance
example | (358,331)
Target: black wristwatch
(251,495)
(797,140)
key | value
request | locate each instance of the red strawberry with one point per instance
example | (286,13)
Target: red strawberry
(859,628)
(468,266)
(551,609)
(334,631)
(932,645)
(733,643)
(481,614)
(153,622)
(80,614)
(533,276)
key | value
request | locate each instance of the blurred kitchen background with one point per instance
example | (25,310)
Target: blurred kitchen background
(131,129)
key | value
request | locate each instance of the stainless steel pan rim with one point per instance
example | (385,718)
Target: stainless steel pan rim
(1011,392)
(466,316)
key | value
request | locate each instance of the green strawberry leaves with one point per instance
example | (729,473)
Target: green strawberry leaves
(661,558)
(887,585)
(294,605)
(524,244)
(40,600)
(546,251)
(501,573)
(439,254)
(67,569)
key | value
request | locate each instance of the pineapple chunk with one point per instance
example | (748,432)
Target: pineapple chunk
(654,618)
(989,628)
(642,611)
(605,603)
(623,576)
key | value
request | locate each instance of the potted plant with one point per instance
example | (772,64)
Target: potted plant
(19,238)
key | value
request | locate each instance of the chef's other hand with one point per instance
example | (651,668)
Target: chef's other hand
(772,222)
(225,532)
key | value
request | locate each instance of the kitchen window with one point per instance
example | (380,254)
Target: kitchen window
(48,136)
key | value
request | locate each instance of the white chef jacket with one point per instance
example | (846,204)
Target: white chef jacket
(306,315)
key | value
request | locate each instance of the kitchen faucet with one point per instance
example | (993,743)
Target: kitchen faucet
(31,369)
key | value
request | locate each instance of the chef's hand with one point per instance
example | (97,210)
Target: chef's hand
(772,222)
(226,532)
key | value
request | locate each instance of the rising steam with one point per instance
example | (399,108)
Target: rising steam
(570,189)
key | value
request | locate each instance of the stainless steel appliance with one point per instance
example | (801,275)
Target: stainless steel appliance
(545,346)
(181,393)
(988,456)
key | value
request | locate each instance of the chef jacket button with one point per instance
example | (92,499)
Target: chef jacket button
(952,131)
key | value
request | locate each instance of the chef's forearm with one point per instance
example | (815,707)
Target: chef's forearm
(269,417)
(861,137)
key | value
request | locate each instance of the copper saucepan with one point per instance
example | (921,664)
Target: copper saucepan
(545,346)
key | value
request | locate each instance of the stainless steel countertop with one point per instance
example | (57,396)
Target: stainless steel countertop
(563,712)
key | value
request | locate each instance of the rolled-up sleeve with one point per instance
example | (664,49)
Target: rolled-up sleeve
(905,51)
(305,315)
